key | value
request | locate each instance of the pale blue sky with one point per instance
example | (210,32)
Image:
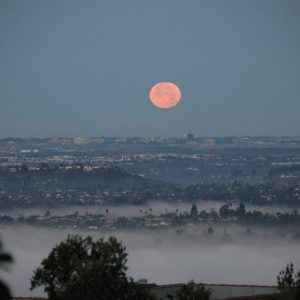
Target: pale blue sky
(70,68)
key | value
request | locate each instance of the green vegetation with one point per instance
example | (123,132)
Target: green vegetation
(5,258)
(288,282)
(80,268)
(193,291)
(227,214)
(194,212)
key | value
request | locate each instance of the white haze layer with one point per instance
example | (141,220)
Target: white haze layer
(161,258)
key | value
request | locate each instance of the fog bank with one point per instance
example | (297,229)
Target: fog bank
(160,258)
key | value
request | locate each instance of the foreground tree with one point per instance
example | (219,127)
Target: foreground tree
(5,258)
(193,291)
(288,282)
(80,268)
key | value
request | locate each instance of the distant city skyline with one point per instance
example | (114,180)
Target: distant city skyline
(85,68)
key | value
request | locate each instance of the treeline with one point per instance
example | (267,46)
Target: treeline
(240,215)
(177,219)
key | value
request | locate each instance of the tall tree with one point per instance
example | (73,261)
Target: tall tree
(80,268)
(288,282)
(241,211)
(194,211)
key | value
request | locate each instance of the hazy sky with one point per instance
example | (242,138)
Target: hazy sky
(70,68)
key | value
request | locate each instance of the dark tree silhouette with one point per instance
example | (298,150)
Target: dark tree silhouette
(80,268)
(194,211)
(288,282)
(193,291)
(5,258)
(241,211)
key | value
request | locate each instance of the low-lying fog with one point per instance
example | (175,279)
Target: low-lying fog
(161,257)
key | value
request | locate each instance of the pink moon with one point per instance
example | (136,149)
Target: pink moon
(165,95)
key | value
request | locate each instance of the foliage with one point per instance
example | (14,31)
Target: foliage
(288,282)
(241,210)
(194,211)
(80,268)
(226,212)
(4,259)
(193,291)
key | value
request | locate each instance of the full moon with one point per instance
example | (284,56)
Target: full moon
(165,94)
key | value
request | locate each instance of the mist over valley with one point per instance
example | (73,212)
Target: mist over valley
(163,258)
